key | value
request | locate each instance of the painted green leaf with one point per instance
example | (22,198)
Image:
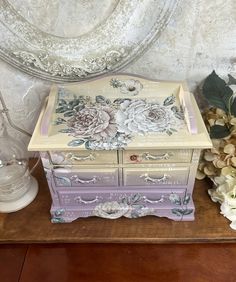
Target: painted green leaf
(219,131)
(232,80)
(135,214)
(57,220)
(137,207)
(66,130)
(217,93)
(169,100)
(188,211)
(178,212)
(100,99)
(175,199)
(61,102)
(69,114)
(59,212)
(120,100)
(64,181)
(186,199)
(181,212)
(79,107)
(61,109)
(169,132)
(88,144)
(76,143)
(175,109)
(59,121)
(124,200)
(135,198)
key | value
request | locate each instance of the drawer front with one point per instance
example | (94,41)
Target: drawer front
(157,156)
(156,176)
(84,157)
(85,177)
(114,204)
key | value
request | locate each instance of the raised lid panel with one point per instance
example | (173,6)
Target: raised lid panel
(120,112)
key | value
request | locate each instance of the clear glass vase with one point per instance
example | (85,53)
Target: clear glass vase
(17,187)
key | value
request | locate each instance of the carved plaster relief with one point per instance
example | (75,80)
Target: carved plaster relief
(106,41)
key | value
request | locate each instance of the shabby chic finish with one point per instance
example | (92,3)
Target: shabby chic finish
(124,30)
(151,173)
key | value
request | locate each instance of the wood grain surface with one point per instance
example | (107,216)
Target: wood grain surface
(11,262)
(130,263)
(32,224)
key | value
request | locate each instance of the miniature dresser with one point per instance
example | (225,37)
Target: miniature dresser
(120,146)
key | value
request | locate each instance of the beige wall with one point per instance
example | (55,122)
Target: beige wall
(200,37)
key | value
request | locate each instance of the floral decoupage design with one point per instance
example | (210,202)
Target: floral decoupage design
(130,87)
(128,206)
(104,124)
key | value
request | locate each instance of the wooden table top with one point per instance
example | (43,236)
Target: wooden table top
(32,224)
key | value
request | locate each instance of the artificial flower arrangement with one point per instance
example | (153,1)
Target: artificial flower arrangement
(219,162)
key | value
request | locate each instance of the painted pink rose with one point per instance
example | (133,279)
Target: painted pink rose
(96,123)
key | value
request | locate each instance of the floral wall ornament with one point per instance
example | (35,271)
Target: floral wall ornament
(46,48)
(219,162)
(105,124)
(56,67)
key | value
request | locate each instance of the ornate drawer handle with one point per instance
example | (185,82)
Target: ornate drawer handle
(148,156)
(75,157)
(161,200)
(76,179)
(147,178)
(86,202)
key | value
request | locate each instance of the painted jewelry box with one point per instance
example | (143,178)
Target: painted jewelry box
(120,146)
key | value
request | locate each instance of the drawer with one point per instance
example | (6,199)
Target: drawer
(83,157)
(156,176)
(85,177)
(157,156)
(114,204)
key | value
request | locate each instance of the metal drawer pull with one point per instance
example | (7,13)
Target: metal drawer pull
(148,178)
(75,157)
(76,179)
(161,200)
(148,156)
(86,202)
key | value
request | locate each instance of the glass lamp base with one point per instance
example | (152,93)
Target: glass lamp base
(25,200)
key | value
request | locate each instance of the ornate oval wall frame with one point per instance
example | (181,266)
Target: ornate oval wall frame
(114,42)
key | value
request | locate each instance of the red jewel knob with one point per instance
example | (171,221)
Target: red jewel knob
(134,158)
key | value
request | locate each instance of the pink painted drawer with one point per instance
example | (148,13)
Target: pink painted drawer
(83,157)
(85,177)
(117,201)
(157,156)
(156,176)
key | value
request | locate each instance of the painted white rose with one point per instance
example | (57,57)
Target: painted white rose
(111,210)
(97,123)
(131,87)
(138,116)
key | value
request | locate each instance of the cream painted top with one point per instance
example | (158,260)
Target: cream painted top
(142,113)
